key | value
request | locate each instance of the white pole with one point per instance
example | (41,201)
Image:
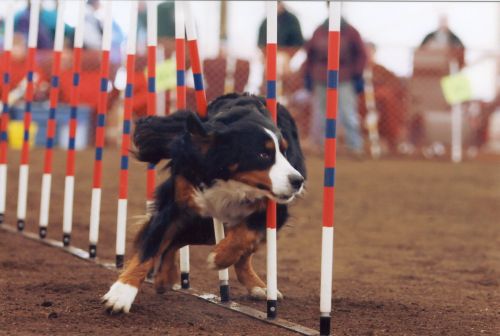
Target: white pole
(223,273)
(95,203)
(271,274)
(22,197)
(8,40)
(121,220)
(69,185)
(184,251)
(47,176)
(327,243)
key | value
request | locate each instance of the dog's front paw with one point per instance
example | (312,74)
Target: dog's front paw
(259,293)
(119,297)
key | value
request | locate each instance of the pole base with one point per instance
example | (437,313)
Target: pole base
(272,310)
(42,232)
(92,251)
(224,293)
(324,325)
(20,224)
(66,239)
(119,260)
(185,281)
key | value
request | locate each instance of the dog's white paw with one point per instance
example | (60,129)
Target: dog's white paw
(120,297)
(211,261)
(260,293)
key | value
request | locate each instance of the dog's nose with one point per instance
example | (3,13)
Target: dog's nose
(296,181)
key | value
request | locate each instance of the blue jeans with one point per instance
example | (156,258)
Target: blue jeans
(348,116)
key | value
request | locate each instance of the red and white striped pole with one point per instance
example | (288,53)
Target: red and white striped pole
(201,106)
(95,205)
(271,55)
(121,221)
(329,173)
(152,19)
(22,197)
(180,59)
(69,182)
(8,40)
(51,122)
(201,98)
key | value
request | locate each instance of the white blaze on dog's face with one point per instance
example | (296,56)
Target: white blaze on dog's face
(286,181)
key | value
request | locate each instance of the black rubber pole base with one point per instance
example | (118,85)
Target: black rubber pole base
(66,239)
(224,293)
(92,251)
(324,326)
(185,281)
(119,261)
(272,310)
(42,233)
(1,218)
(20,224)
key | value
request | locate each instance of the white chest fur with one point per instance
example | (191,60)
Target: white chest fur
(229,201)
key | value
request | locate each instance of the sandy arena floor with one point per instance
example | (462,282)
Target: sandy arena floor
(416,253)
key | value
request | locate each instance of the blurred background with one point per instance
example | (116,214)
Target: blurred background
(396,56)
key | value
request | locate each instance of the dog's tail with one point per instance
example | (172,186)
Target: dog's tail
(153,135)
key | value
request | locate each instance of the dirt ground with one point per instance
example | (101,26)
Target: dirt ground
(416,253)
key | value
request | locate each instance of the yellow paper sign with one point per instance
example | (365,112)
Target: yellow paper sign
(456,88)
(166,75)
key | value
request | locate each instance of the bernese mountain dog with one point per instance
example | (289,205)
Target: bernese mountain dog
(225,166)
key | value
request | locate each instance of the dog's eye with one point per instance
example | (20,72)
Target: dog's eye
(264,156)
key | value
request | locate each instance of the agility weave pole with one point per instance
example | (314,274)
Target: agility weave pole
(51,122)
(201,106)
(69,182)
(272,261)
(180,101)
(152,20)
(8,41)
(22,196)
(95,205)
(330,164)
(121,220)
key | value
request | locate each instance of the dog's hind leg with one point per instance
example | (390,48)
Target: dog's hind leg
(167,275)
(122,293)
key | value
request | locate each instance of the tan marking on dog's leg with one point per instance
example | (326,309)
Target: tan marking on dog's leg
(239,241)
(168,274)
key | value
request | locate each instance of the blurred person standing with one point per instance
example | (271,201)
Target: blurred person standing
(443,39)
(289,34)
(352,63)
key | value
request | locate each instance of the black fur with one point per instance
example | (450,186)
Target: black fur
(202,151)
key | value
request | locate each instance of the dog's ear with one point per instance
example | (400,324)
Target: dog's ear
(195,126)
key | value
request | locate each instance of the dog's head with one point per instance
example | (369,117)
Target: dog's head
(242,144)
